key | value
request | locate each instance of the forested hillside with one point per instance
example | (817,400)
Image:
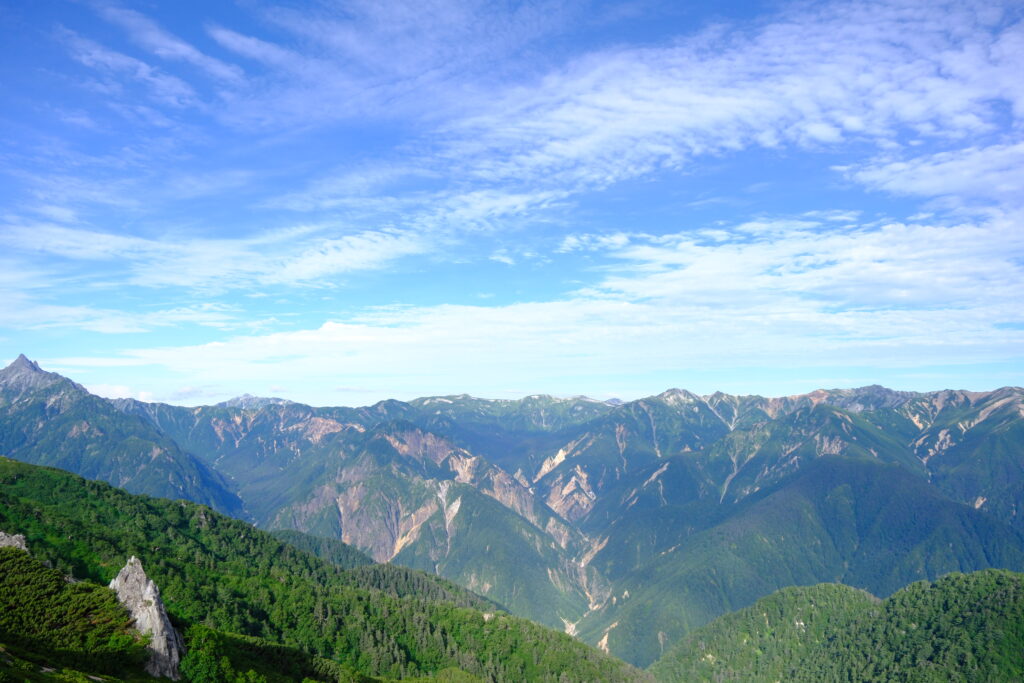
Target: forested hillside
(963,627)
(224,574)
(75,624)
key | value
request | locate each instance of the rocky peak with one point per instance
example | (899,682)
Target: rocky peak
(12,541)
(22,362)
(677,397)
(250,402)
(141,598)
(871,397)
(24,375)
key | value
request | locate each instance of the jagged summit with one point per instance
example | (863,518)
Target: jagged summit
(250,402)
(24,375)
(23,362)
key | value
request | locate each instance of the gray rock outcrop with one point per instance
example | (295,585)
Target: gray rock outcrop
(13,541)
(24,376)
(141,597)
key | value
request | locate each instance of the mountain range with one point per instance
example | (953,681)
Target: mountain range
(626,524)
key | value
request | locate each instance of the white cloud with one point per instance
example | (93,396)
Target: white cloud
(788,293)
(808,264)
(993,172)
(120,391)
(149,35)
(502,256)
(405,352)
(164,88)
(26,312)
(352,187)
(300,255)
(572,243)
(876,71)
(57,213)
(383,60)
(923,99)
(815,77)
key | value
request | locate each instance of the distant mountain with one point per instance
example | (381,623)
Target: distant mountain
(47,419)
(627,524)
(959,628)
(250,402)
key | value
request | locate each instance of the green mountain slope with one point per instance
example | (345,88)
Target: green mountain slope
(331,549)
(225,574)
(656,508)
(75,624)
(54,628)
(972,446)
(410,496)
(959,628)
(47,419)
(400,492)
(849,520)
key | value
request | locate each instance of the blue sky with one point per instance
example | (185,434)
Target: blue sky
(339,202)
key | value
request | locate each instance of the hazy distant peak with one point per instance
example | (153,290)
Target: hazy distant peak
(677,397)
(22,362)
(25,375)
(250,402)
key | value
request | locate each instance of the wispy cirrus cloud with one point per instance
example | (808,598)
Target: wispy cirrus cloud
(855,72)
(146,33)
(403,132)
(995,172)
(28,313)
(303,255)
(393,60)
(841,271)
(113,67)
(825,78)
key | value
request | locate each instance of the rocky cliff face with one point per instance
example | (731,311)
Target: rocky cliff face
(142,599)
(23,376)
(12,541)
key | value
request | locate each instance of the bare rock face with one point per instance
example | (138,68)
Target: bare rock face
(12,541)
(24,376)
(142,599)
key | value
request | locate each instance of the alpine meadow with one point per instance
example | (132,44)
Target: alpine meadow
(556,341)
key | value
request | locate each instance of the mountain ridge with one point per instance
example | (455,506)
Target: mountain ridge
(583,494)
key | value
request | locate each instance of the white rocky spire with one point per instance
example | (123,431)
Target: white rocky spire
(142,599)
